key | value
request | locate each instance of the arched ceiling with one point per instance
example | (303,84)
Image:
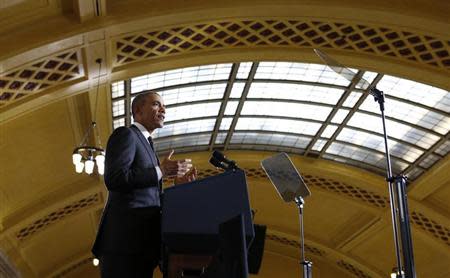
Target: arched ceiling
(48,77)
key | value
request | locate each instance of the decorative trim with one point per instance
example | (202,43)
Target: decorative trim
(44,74)
(57,215)
(379,41)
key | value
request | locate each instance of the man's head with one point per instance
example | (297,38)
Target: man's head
(148,109)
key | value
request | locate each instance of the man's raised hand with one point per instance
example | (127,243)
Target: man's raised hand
(175,168)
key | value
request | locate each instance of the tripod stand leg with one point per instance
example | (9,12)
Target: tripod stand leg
(405,230)
(307,269)
(306,265)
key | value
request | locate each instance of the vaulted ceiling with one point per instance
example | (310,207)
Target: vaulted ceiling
(48,78)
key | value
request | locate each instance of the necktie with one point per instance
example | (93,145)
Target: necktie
(150,140)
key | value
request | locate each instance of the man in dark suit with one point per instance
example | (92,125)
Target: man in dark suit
(128,238)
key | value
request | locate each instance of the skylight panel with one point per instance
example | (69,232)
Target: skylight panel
(220,139)
(192,111)
(365,156)
(244,70)
(352,99)
(237,89)
(193,93)
(299,72)
(118,108)
(182,141)
(270,139)
(295,92)
(329,131)
(180,76)
(340,115)
(415,91)
(118,123)
(414,173)
(117,89)
(443,149)
(318,146)
(286,109)
(281,125)
(185,128)
(429,161)
(410,113)
(375,142)
(394,129)
(231,107)
(225,124)
(369,77)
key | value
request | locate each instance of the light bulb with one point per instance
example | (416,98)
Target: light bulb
(79,167)
(95,262)
(100,163)
(76,158)
(100,158)
(101,169)
(89,166)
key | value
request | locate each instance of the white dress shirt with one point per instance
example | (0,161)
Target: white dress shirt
(146,135)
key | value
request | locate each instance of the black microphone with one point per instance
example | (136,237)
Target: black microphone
(230,164)
(217,163)
(221,157)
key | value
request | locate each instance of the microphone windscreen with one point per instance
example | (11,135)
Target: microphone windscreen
(216,163)
(218,155)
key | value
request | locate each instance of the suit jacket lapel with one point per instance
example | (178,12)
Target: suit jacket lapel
(146,144)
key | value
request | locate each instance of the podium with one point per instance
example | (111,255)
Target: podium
(199,221)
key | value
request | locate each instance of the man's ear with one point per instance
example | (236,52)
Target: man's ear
(137,112)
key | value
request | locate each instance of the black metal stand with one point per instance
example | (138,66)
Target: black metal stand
(399,205)
(305,265)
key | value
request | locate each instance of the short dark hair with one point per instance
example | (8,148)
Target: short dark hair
(140,100)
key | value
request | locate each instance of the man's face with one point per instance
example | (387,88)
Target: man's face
(152,113)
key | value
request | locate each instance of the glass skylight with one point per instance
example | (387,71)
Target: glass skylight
(177,142)
(295,92)
(192,111)
(397,130)
(286,106)
(117,89)
(412,114)
(194,93)
(180,76)
(281,125)
(244,70)
(417,92)
(231,107)
(118,108)
(286,109)
(270,139)
(352,99)
(185,128)
(300,72)
(236,91)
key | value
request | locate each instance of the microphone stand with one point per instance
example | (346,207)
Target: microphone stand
(399,204)
(305,265)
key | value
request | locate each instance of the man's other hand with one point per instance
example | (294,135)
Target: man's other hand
(188,177)
(175,168)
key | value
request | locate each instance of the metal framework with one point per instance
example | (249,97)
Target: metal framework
(226,126)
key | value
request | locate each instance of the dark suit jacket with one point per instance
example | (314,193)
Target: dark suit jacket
(130,222)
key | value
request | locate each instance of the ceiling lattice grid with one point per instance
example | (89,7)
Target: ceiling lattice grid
(380,41)
(39,76)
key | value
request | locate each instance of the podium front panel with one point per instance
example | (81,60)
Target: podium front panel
(192,212)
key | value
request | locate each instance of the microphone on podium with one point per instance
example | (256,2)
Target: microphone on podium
(219,160)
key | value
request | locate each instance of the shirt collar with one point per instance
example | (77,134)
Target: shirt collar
(142,129)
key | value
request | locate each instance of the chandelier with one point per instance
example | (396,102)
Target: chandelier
(87,156)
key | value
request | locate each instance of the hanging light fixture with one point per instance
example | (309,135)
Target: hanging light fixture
(397,274)
(85,156)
